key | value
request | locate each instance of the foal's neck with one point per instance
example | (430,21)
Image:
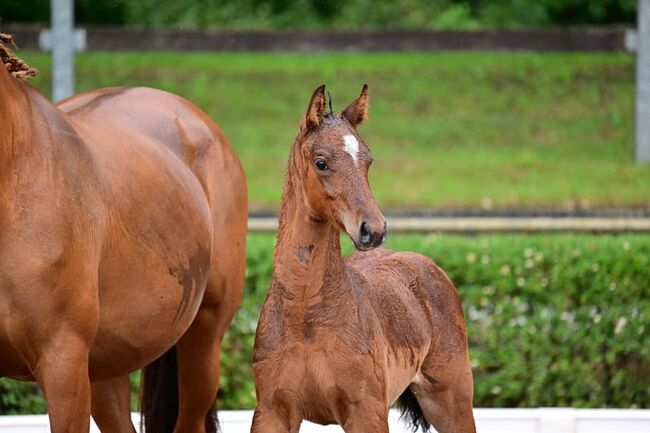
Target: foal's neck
(307,259)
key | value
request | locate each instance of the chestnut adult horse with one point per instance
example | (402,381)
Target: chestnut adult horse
(339,340)
(122,236)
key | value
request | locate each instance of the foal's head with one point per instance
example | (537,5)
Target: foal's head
(333,162)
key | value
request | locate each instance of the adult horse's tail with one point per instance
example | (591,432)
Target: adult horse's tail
(411,412)
(159,397)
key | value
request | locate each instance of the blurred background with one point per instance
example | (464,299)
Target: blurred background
(506,108)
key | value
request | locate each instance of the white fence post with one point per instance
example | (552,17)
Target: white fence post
(642,124)
(62,40)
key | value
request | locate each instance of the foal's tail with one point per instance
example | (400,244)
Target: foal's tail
(159,397)
(411,412)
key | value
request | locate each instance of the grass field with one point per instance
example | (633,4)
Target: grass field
(456,130)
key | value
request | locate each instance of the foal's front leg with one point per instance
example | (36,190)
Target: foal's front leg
(275,420)
(369,416)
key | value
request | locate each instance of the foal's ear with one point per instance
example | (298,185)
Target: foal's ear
(315,112)
(357,111)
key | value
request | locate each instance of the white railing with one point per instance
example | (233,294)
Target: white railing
(543,420)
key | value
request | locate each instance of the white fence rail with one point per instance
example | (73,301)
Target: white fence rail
(493,224)
(543,420)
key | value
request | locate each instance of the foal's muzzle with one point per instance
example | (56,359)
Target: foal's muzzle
(371,237)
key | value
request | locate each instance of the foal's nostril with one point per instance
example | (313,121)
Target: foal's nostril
(364,234)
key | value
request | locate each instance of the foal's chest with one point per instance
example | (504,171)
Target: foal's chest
(323,381)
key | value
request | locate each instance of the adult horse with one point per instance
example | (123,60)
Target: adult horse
(122,236)
(339,340)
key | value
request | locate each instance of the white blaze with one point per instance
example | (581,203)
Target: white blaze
(351,146)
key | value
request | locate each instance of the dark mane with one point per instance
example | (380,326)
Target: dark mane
(16,67)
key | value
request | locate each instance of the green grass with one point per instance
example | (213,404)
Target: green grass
(463,130)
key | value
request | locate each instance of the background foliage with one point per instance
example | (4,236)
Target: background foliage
(333,14)
(446,130)
(557,320)
(553,320)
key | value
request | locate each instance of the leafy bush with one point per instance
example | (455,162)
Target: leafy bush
(558,320)
(553,321)
(20,398)
(338,14)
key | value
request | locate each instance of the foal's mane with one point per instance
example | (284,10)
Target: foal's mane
(16,67)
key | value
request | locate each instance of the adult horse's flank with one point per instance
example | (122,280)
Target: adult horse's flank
(122,235)
(339,340)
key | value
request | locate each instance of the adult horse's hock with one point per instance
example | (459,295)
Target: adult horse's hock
(122,236)
(339,340)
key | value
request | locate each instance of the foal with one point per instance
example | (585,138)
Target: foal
(340,339)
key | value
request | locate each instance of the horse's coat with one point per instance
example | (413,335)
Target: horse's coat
(340,339)
(122,235)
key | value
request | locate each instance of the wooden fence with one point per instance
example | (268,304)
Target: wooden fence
(120,39)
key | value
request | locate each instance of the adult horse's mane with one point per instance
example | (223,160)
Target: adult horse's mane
(16,66)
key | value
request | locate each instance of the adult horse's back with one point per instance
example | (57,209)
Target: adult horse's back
(122,236)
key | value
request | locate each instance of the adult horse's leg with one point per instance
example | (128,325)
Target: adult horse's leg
(444,391)
(62,373)
(111,405)
(199,350)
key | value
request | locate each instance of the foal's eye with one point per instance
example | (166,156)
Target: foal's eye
(321,164)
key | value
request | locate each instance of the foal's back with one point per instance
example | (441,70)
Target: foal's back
(407,277)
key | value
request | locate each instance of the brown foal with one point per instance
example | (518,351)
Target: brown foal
(341,339)
(122,236)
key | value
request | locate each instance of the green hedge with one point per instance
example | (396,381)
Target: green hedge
(559,320)
(555,320)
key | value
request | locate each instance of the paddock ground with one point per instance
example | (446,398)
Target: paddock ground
(543,420)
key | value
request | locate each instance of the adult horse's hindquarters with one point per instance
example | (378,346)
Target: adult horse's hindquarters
(122,236)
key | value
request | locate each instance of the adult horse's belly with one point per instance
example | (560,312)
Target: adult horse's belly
(155,255)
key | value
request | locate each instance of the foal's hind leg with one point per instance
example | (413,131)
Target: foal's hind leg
(444,391)
(111,405)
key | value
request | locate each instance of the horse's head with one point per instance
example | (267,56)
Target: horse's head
(334,163)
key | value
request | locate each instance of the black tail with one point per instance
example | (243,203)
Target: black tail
(411,412)
(159,394)
(159,397)
(211,420)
